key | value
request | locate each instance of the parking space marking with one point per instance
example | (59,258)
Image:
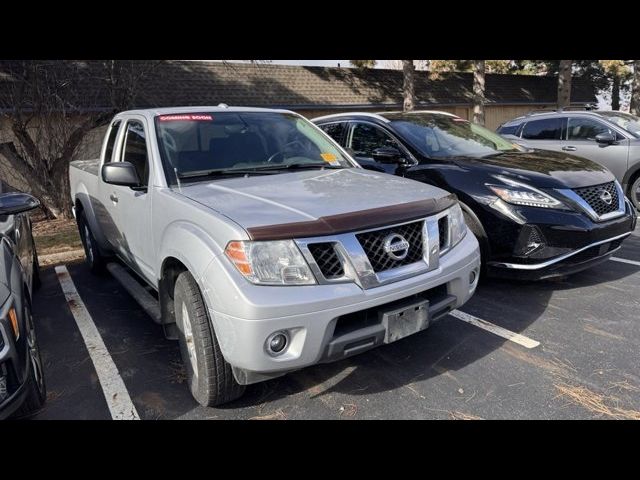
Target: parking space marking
(115,392)
(495,329)
(624,260)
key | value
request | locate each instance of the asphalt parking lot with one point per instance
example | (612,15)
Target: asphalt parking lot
(576,357)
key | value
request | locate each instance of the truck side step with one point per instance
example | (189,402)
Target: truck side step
(148,303)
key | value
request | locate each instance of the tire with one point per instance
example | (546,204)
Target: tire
(209,375)
(36,387)
(634,193)
(36,282)
(477,229)
(95,260)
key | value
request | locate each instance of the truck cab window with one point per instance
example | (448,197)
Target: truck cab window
(135,150)
(111,141)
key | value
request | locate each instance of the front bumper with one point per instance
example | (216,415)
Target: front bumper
(570,242)
(316,318)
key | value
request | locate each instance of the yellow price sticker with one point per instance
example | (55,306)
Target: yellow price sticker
(328,157)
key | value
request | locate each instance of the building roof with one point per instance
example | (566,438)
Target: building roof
(173,83)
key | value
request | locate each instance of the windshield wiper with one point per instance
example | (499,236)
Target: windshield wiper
(299,166)
(221,173)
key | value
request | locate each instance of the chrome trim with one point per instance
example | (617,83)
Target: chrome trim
(538,266)
(356,264)
(577,200)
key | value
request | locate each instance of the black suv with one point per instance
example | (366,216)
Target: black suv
(22,388)
(536,214)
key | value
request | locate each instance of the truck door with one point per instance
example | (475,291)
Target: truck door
(104,209)
(132,206)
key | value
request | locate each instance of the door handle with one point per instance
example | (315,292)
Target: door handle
(113,198)
(569,148)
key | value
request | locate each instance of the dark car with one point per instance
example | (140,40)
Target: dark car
(536,214)
(22,388)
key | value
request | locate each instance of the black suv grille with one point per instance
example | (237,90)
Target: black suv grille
(373,245)
(592,195)
(327,259)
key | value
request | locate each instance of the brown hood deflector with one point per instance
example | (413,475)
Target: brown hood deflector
(353,221)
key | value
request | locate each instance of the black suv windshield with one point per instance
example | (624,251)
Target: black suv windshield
(443,136)
(223,143)
(627,121)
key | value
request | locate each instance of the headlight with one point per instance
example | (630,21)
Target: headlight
(270,263)
(457,227)
(518,193)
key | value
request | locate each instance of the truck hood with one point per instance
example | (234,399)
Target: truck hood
(304,196)
(542,168)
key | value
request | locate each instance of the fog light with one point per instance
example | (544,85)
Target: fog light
(276,343)
(472,277)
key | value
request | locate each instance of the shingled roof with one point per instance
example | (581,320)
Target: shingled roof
(174,83)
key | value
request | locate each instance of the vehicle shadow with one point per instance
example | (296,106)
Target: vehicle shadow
(447,346)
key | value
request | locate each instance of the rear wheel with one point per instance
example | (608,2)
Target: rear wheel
(209,375)
(634,192)
(95,260)
(36,388)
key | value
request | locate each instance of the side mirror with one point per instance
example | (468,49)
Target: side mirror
(388,155)
(605,138)
(121,173)
(12,203)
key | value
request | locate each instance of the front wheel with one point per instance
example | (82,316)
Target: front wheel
(634,193)
(36,389)
(209,375)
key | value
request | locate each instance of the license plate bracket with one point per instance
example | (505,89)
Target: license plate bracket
(404,319)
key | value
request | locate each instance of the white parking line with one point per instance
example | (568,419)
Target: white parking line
(115,392)
(495,329)
(624,260)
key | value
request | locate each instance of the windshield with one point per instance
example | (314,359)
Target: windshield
(201,144)
(629,122)
(443,136)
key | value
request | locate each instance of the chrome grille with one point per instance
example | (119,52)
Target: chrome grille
(373,244)
(592,195)
(327,259)
(443,231)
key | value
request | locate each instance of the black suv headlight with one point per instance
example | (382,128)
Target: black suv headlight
(518,193)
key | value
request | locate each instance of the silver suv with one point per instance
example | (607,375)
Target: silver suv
(610,138)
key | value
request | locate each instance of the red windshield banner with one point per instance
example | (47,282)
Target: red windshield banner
(188,117)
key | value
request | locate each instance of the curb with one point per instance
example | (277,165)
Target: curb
(61,257)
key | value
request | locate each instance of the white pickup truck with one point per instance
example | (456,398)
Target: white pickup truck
(265,247)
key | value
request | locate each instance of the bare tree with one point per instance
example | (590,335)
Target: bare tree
(50,107)
(635,89)
(408,85)
(478,91)
(564,83)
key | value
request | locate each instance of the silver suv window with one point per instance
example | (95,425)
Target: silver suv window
(583,128)
(543,129)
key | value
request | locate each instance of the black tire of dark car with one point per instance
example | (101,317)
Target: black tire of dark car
(209,375)
(36,388)
(634,193)
(477,229)
(95,261)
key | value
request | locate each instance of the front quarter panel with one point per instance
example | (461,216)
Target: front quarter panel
(190,232)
